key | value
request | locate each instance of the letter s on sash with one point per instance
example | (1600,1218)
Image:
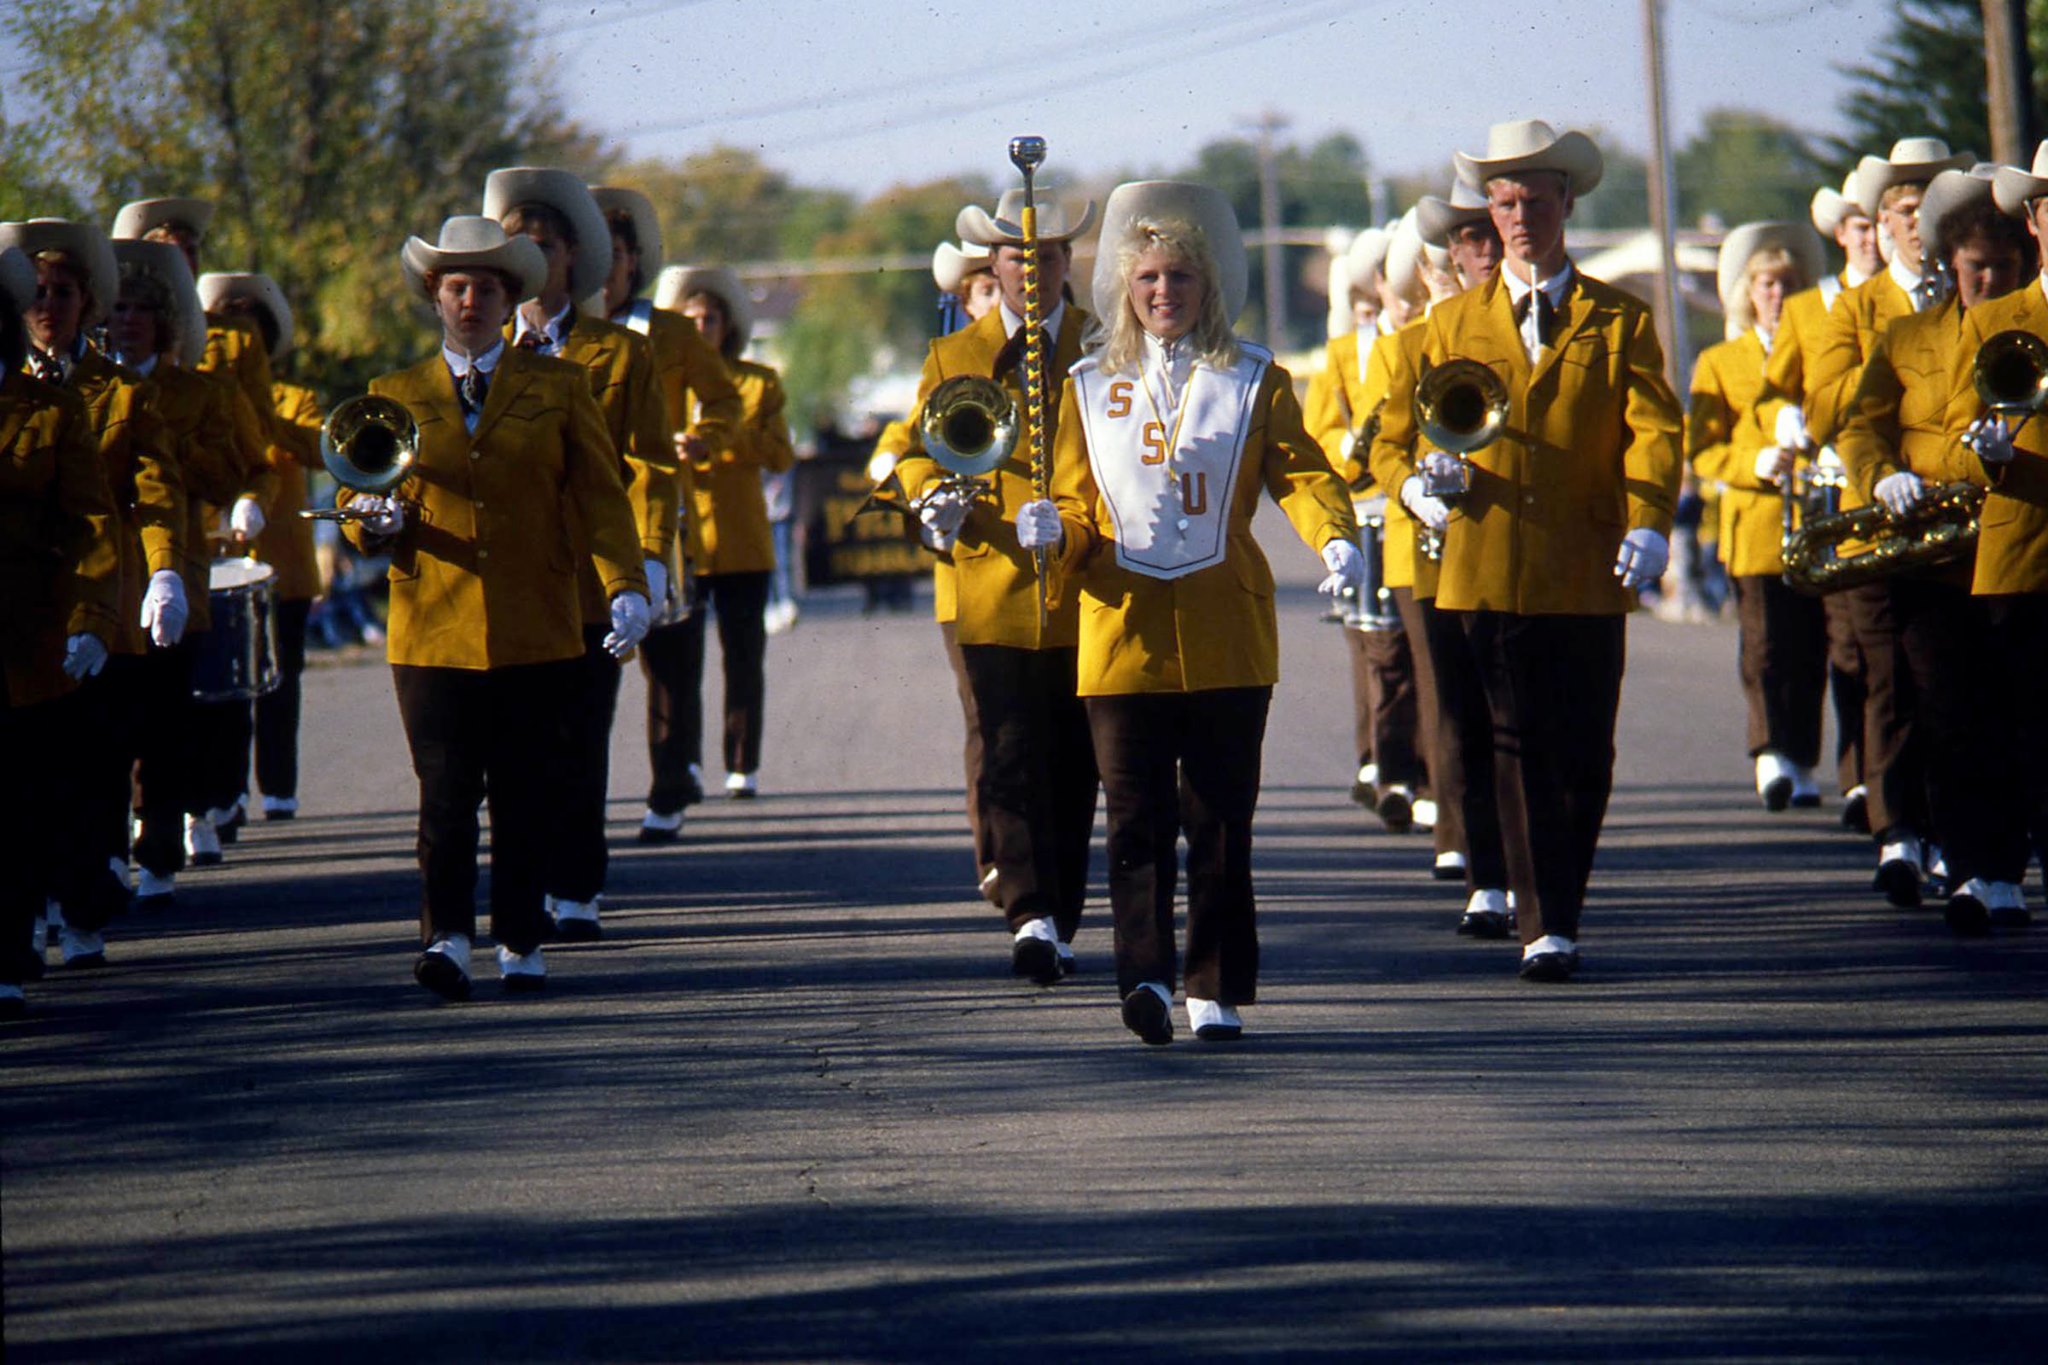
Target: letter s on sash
(1154,437)
(1119,399)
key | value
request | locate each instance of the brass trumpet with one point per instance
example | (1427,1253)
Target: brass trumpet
(369,444)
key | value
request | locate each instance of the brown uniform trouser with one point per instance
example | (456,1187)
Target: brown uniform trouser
(672,659)
(1782,660)
(1461,756)
(1174,763)
(970,749)
(2017,627)
(1845,689)
(1553,691)
(1892,760)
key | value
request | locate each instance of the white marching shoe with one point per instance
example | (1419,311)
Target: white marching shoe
(576,921)
(1449,867)
(202,841)
(741,786)
(1775,779)
(1424,813)
(1550,958)
(444,967)
(1035,952)
(523,972)
(1213,1021)
(1488,914)
(1805,791)
(83,949)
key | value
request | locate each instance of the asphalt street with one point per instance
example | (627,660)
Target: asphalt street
(794,1107)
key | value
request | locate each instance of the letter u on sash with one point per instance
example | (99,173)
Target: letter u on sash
(1194,493)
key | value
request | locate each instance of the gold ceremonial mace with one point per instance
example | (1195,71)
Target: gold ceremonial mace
(1026,154)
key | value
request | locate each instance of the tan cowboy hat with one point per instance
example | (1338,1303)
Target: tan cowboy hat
(218,288)
(1367,255)
(613,199)
(951,265)
(1913,161)
(168,264)
(1533,145)
(2013,187)
(1798,240)
(678,282)
(1436,219)
(1831,208)
(17,279)
(473,243)
(140,217)
(507,188)
(1404,258)
(976,227)
(1172,201)
(84,243)
(1950,193)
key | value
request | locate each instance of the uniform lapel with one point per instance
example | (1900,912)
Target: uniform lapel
(1498,309)
(507,380)
(1571,320)
(16,414)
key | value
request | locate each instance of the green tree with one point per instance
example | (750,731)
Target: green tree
(325,134)
(1744,166)
(1927,77)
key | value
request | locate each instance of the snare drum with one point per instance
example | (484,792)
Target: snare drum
(236,659)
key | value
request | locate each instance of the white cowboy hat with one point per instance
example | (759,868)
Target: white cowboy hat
(218,288)
(1404,259)
(951,265)
(473,243)
(1950,193)
(140,217)
(1437,218)
(168,264)
(976,227)
(1533,145)
(1174,201)
(82,242)
(1831,208)
(17,278)
(508,187)
(2013,187)
(678,282)
(1367,255)
(1797,240)
(1913,161)
(612,199)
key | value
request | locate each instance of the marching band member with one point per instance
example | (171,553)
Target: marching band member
(1567,514)
(1336,410)
(555,211)
(286,541)
(1888,190)
(77,285)
(1037,781)
(730,515)
(60,564)
(1802,329)
(1468,837)
(1168,435)
(2011,579)
(1782,632)
(516,481)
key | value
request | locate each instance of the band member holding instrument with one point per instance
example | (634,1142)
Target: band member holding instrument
(60,562)
(1802,330)
(737,555)
(1782,647)
(286,543)
(1168,435)
(515,480)
(555,211)
(2011,579)
(1037,781)
(1468,835)
(1566,514)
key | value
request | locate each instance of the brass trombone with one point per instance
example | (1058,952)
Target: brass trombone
(1460,406)
(369,444)
(969,427)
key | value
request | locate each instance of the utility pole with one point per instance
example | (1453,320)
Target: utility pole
(1268,124)
(1663,199)
(2009,83)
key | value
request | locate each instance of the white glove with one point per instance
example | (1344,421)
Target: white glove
(881,465)
(1431,512)
(1791,428)
(163,608)
(1990,438)
(245,518)
(940,513)
(382,516)
(84,656)
(1346,566)
(630,619)
(1038,525)
(1642,557)
(1901,492)
(1772,462)
(657,582)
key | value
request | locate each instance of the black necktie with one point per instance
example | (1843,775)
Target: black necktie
(1546,314)
(473,387)
(46,367)
(1011,357)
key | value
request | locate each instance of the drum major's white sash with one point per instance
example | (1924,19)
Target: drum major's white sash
(1169,492)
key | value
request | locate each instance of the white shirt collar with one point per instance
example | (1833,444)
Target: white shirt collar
(1383,323)
(1851,277)
(1553,288)
(556,329)
(1012,321)
(1903,275)
(458,363)
(1764,335)
(1168,364)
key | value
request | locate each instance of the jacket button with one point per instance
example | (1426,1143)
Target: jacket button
(1529,499)
(476,454)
